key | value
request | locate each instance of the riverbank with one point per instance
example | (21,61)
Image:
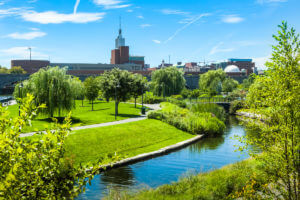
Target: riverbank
(222,183)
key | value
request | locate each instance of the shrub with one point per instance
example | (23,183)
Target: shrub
(236,105)
(215,109)
(184,119)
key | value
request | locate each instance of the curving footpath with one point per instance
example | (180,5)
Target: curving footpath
(142,117)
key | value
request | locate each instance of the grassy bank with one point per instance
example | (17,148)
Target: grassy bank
(198,122)
(127,140)
(103,112)
(217,184)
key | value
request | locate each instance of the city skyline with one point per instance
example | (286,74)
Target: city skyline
(85,30)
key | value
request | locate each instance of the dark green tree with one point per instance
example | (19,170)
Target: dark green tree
(167,81)
(17,70)
(211,81)
(117,84)
(229,84)
(92,87)
(139,86)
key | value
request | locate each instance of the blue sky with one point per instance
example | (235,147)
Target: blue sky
(187,30)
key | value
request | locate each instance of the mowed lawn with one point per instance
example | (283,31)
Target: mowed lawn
(103,112)
(130,139)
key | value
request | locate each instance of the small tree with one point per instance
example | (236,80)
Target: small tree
(139,86)
(229,85)
(3,70)
(167,81)
(92,86)
(17,70)
(211,81)
(117,84)
(279,134)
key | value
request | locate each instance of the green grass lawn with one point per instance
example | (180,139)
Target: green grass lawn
(127,140)
(103,112)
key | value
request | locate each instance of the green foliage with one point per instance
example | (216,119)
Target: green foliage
(248,82)
(229,84)
(211,81)
(139,86)
(150,98)
(279,134)
(184,119)
(195,93)
(36,169)
(215,81)
(185,93)
(52,87)
(218,111)
(17,70)
(236,105)
(167,81)
(4,70)
(92,87)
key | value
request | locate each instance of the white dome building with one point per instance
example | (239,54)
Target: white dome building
(232,68)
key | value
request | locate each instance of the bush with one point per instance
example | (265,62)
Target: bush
(236,105)
(180,103)
(184,119)
(215,109)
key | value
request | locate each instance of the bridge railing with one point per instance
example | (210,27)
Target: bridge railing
(211,100)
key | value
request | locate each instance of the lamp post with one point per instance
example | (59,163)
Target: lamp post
(117,86)
(20,86)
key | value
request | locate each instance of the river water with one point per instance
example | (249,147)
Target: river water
(205,155)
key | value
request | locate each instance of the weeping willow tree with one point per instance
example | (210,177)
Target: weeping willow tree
(52,87)
(167,81)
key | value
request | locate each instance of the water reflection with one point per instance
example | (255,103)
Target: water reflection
(207,154)
(118,176)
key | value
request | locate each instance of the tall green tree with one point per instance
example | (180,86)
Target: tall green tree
(52,87)
(117,84)
(229,85)
(277,97)
(211,81)
(139,86)
(92,87)
(167,81)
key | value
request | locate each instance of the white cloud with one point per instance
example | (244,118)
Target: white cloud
(129,10)
(26,36)
(186,26)
(10,11)
(156,41)
(34,29)
(52,17)
(232,19)
(145,25)
(260,62)
(1,3)
(111,4)
(140,17)
(174,12)
(217,49)
(76,6)
(23,52)
(32,1)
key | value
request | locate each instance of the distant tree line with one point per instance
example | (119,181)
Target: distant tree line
(13,70)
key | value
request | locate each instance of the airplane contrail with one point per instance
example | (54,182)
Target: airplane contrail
(185,26)
(76,6)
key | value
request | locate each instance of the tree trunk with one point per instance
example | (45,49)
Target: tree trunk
(92,105)
(135,102)
(82,102)
(117,107)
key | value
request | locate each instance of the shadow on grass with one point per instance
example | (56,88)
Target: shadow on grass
(59,120)
(100,109)
(127,115)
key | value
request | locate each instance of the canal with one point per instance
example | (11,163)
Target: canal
(205,155)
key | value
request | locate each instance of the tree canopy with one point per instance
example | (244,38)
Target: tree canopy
(215,81)
(276,95)
(139,86)
(91,85)
(52,87)
(167,81)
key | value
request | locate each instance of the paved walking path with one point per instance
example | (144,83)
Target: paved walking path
(142,117)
